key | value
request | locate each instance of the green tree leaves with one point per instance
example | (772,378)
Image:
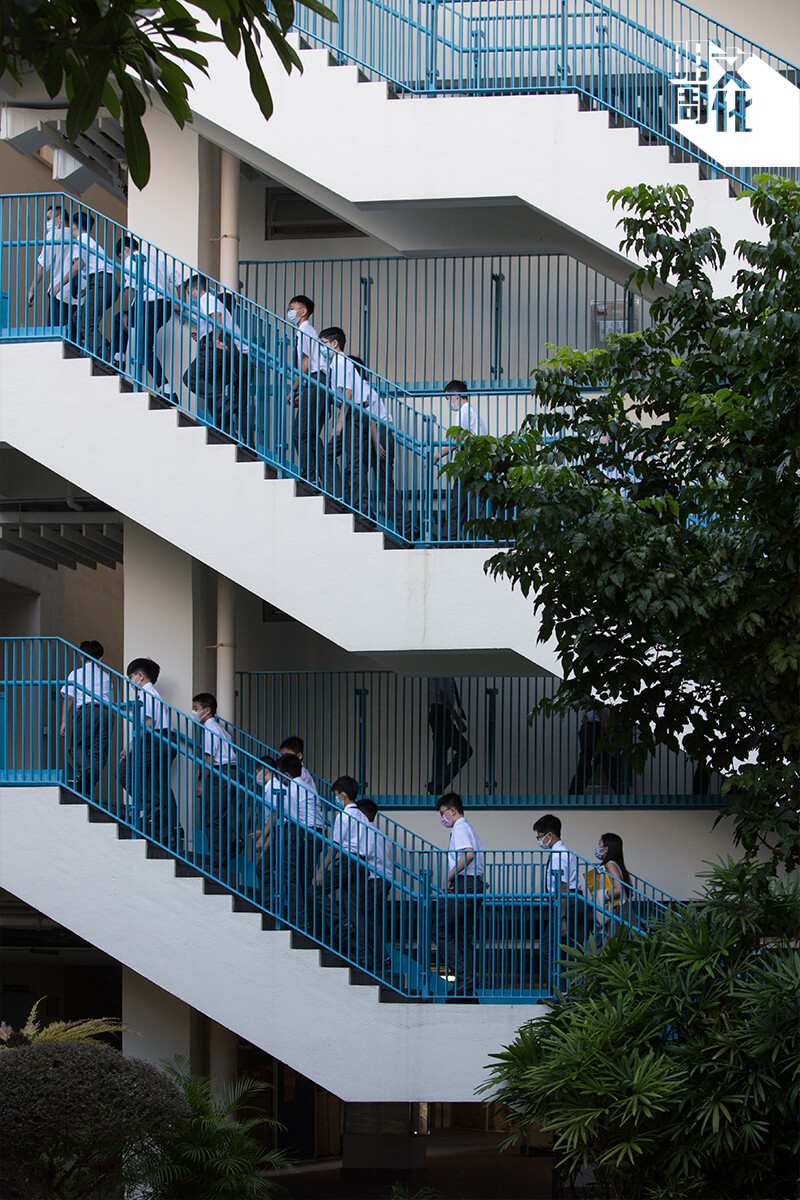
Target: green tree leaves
(114,52)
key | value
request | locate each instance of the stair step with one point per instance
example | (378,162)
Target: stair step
(329,958)
(212,888)
(359,978)
(154,851)
(184,870)
(301,942)
(101,368)
(268,923)
(125,385)
(71,351)
(305,489)
(242,905)
(215,438)
(124,833)
(97,816)
(186,422)
(244,454)
(388,995)
(68,797)
(158,402)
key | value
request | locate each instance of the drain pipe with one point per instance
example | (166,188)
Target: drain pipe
(229,277)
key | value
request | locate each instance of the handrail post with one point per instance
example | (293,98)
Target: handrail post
(138,366)
(490,750)
(424,937)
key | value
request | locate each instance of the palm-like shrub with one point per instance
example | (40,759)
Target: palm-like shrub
(34,1034)
(214,1154)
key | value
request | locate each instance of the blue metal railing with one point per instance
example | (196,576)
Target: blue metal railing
(635,59)
(228,363)
(485,319)
(481,743)
(383,906)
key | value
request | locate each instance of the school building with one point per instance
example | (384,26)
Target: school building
(176,483)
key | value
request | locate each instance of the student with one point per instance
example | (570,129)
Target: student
(221,362)
(309,392)
(298,817)
(152,306)
(381,457)
(590,756)
(560,886)
(459,909)
(215,790)
(465,417)
(145,763)
(380,867)
(349,436)
(295,745)
(348,876)
(86,699)
(58,252)
(611,886)
(448,726)
(93,289)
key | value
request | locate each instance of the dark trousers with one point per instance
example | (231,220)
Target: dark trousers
(89,310)
(215,376)
(146,775)
(457,922)
(451,750)
(154,314)
(59,311)
(299,853)
(572,930)
(91,728)
(589,758)
(309,428)
(218,796)
(348,461)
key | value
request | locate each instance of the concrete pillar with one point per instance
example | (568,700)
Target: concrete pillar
(226,649)
(222,1057)
(160,1024)
(229,220)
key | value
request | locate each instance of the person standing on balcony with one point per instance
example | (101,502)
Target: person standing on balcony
(348,877)
(459,909)
(221,364)
(215,787)
(145,762)
(86,699)
(561,889)
(452,519)
(448,725)
(309,396)
(59,251)
(146,298)
(590,756)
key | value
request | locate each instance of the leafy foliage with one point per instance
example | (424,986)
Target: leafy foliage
(33,1034)
(651,510)
(110,52)
(672,1063)
(75,1117)
(214,1155)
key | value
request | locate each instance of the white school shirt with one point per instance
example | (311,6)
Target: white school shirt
(463,837)
(300,804)
(370,400)
(153,706)
(378,853)
(348,831)
(467,418)
(308,343)
(218,744)
(57,256)
(156,278)
(306,780)
(214,318)
(88,684)
(562,862)
(343,375)
(94,260)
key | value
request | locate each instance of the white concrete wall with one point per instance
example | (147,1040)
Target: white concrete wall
(406,600)
(447,152)
(224,965)
(158,1023)
(773,24)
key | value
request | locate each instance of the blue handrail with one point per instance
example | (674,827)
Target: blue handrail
(620,56)
(382,905)
(228,363)
(486,319)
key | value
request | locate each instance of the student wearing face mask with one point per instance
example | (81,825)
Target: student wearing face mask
(611,886)
(561,886)
(309,392)
(459,909)
(60,249)
(344,871)
(215,787)
(145,762)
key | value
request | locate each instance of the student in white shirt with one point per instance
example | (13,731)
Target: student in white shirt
(461,506)
(216,793)
(383,493)
(563,890)
(459,910)
(301,823)
(86,698)
(219,372)
(145,763)
(348,874)
(93,289)
(310,401)
(350,436)
(58,252)
(380,866)
(153,307)
(295,745)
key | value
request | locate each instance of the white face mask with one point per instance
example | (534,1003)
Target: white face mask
(542,844)
(48,229)
(197,714)
(293,315)
(599,853)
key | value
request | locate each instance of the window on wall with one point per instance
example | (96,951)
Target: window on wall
(287,215)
